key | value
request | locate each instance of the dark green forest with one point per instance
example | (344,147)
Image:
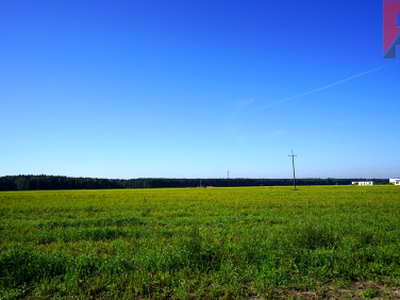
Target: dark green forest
(47,182)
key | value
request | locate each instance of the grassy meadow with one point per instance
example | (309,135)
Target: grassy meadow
(258,242)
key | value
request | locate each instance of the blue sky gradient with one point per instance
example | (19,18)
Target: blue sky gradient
(127,89)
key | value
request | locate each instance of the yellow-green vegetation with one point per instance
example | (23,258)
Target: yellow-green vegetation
(199,243)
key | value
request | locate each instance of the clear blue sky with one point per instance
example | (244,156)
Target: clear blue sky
(156,88)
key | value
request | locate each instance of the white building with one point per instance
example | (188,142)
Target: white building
(362,183)
(395,181)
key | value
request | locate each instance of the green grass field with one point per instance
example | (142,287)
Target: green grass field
(262,242)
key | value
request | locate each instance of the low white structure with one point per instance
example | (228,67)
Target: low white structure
(395,181)
(362,183)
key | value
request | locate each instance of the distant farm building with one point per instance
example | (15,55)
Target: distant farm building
(362,183)
(395,181)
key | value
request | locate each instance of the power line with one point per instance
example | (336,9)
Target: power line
(294,169)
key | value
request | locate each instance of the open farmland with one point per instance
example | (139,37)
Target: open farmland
(258,242)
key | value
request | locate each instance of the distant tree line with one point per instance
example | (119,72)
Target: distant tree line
(46,182)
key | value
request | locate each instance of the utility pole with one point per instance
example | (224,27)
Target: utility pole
(229,184)
(294,170)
